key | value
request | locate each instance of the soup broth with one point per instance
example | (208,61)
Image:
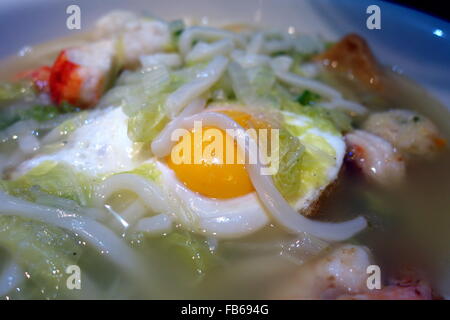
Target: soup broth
(407,224)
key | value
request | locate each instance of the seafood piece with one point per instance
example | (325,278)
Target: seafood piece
(408,285)
(352,55)
(393,293)
(80,75)
(377,158)
(342,271)
(406,130)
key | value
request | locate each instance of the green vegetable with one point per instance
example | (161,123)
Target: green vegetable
(53,178)
(287,179)
(136,91)
(147,170)
(262,79)
(187,74)
(70,125)
(311,171)
(341,120)
(142,96)
(253,86)
(189,251)
(333,121)
(176,28)
(10,91)
(40,113)
(320,117)
(6,121)
(318,157)
(146,124)
(308,98)
(298,58)
(43,251)
(222,90)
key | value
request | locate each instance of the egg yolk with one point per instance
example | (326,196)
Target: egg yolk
(212,175)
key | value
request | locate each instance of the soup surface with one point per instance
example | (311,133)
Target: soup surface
(122,176)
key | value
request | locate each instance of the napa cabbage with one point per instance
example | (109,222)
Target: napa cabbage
(190,252)
(142,95)
(53,178)
(253,86)
(287,179)
(39,112)
(42,251)
(146,170)
(10,91)
(318,156)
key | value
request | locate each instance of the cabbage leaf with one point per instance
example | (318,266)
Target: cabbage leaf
(56,179)
(44,252)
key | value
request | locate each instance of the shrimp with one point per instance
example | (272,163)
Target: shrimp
(406,130)
(342,274)
(79,75)
(342,271)
(377,158)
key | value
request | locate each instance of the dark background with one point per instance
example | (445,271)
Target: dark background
(433,7)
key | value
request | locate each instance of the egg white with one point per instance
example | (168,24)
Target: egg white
(99,147)
(221,218)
